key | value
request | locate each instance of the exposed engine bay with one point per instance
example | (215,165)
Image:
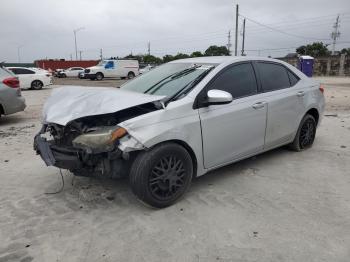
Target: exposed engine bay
(88,146)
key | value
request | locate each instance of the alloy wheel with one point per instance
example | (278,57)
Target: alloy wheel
(167,178)
(307,133)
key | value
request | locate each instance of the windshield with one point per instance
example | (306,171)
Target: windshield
(102,63)
(167,79)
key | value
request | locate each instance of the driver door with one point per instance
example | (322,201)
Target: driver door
(235,130)
(109,69)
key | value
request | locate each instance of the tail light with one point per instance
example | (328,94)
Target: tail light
(12,82)
(321,89)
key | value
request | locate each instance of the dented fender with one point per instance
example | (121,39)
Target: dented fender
(160,126)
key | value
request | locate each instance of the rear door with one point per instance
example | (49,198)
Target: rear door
(234,130)
(280,90)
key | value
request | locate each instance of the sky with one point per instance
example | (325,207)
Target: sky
(36,29)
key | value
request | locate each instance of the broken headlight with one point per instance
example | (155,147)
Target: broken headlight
(100,140)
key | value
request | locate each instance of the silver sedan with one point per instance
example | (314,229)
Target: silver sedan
(180,121)
(11,100)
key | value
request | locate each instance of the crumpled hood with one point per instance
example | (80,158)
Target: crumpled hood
(72,102)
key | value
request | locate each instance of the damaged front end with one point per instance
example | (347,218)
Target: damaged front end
(93,145)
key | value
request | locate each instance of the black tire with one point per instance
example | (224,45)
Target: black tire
(305,136)
(131,75)
(161,176)
(36,85)
(99,76)
(63,75)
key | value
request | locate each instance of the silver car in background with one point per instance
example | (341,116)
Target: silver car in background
(11,100)
(179,121)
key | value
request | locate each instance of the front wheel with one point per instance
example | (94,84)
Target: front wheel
(306,134)
(99,76)
(159,177)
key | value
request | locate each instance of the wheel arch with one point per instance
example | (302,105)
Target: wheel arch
(188,148)
(2,111)
(314,112)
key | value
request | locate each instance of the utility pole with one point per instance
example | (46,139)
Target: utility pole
(236,36)
(71,57)
(229,42)
(243,37)
(80,54)
(75,40)
(101,55)
(149,48)
(335,34)
(19,53)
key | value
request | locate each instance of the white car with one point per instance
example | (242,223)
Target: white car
(113,68)
(71,72)
(145,69)
(32,78)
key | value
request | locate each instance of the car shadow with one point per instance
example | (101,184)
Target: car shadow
(8,120)
(102,190)
(235,169)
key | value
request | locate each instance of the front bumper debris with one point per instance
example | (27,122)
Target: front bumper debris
(66,158)
(114,164)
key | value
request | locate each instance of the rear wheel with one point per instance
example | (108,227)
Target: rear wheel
(36,85)
(131,75)
(99,76)
(306,134)
(159,177)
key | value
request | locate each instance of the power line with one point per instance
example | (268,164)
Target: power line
(280,31)
(303,26)
(306,20)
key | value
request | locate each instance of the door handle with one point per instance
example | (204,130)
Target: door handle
(259,105)
(300,93)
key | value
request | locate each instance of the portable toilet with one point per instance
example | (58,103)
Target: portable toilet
(306,65)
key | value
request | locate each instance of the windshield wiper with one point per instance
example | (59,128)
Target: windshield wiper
(187,87)
(172,77)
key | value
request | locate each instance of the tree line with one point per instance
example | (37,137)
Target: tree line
(315,49)
(150,59)
(318,49)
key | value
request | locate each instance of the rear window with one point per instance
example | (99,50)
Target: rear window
(273,76)
(293,78)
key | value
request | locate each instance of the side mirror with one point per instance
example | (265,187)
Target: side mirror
(219,97)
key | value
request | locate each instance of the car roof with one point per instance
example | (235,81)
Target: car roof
(223,59)
(18,67)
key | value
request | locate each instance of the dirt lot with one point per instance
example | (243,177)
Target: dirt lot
(278,206)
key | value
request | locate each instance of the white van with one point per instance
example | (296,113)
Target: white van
(113,68)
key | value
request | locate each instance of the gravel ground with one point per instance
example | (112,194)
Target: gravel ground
(277,206)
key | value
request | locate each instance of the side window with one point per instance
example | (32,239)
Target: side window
(239,80)
(23,71)
(273,76)
(110,64)
(14,70)
(293,78)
